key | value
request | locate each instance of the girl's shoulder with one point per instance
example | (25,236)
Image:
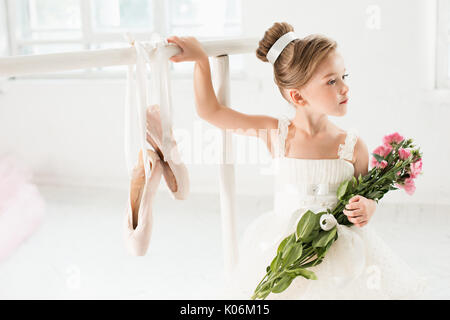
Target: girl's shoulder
(352,142)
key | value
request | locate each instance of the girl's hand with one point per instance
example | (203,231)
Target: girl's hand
(360,210)
(191,49)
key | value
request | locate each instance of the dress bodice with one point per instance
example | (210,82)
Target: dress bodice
(312,183)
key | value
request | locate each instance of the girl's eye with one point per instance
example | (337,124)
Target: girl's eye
(334,81)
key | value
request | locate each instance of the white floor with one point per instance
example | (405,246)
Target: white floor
(78,252)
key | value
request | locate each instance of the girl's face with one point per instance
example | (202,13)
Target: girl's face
(326,92)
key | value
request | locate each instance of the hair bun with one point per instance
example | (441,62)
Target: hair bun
(270,37)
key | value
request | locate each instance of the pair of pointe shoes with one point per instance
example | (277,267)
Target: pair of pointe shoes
(139,214)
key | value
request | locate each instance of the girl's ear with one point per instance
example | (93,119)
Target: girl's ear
(296,97)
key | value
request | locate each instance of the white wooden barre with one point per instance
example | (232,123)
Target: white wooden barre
(221,79)
(43,63)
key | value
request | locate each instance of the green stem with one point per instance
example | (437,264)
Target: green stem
(307,256)
(259,284)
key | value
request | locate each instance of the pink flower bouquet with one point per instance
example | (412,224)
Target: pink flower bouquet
(396,148)
(395,164)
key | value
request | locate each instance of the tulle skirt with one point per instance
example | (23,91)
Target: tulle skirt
(359,265)
(21,206)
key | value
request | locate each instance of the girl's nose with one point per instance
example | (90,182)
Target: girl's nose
(344,89)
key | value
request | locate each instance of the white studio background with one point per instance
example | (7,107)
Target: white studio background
(71,131)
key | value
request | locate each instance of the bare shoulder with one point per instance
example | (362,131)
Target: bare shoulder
(339,134)
(360,151)
(360,157)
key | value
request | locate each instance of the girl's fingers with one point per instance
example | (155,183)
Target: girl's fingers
(353,213)
(352,205)
(362,224)
(355,198)
(173,39)
(176,41)
(357,220)
(179,42)
(175,58)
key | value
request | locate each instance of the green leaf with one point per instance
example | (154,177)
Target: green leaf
(324,238)
(294,254)
(323,250)
(283,244)
(342,189)
(287,246)
(282,284)
(306,225)
(360,178)
(378,157)
(286,251)
(350,188)
(315,228)
(312,235)
(275,263)
(317,217)
(355,183)
(304,273)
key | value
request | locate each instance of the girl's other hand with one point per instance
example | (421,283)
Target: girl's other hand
(191,49)
(360,210)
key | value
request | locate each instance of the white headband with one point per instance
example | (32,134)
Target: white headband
(279,46)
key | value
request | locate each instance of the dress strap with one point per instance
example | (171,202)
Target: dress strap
(283,125)
(346,150)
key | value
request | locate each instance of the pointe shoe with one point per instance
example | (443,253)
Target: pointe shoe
(174,171)
(139,214)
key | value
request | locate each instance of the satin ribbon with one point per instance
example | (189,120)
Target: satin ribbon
(147,53)
(318,189)
(313,189)
(327,222)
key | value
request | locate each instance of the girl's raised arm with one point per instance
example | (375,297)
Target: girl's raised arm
(208,107)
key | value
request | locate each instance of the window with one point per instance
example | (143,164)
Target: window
(206,19)
(3,34)
(443,45)
(49,26)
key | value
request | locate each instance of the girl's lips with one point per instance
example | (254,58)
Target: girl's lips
(345,101)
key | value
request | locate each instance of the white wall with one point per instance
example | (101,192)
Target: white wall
(71,131)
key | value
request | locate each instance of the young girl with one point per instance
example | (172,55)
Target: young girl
(312,157)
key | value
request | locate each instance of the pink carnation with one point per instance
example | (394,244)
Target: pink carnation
(392,138)
(383,164)
(382,150)
(408,186)
(404,153)
(416,168)
(373,162)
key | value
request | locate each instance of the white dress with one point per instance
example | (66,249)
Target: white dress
(359,265)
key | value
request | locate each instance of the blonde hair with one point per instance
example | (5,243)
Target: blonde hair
(297,62)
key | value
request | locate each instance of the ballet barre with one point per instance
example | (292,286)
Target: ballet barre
(56,62)
(218,49)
